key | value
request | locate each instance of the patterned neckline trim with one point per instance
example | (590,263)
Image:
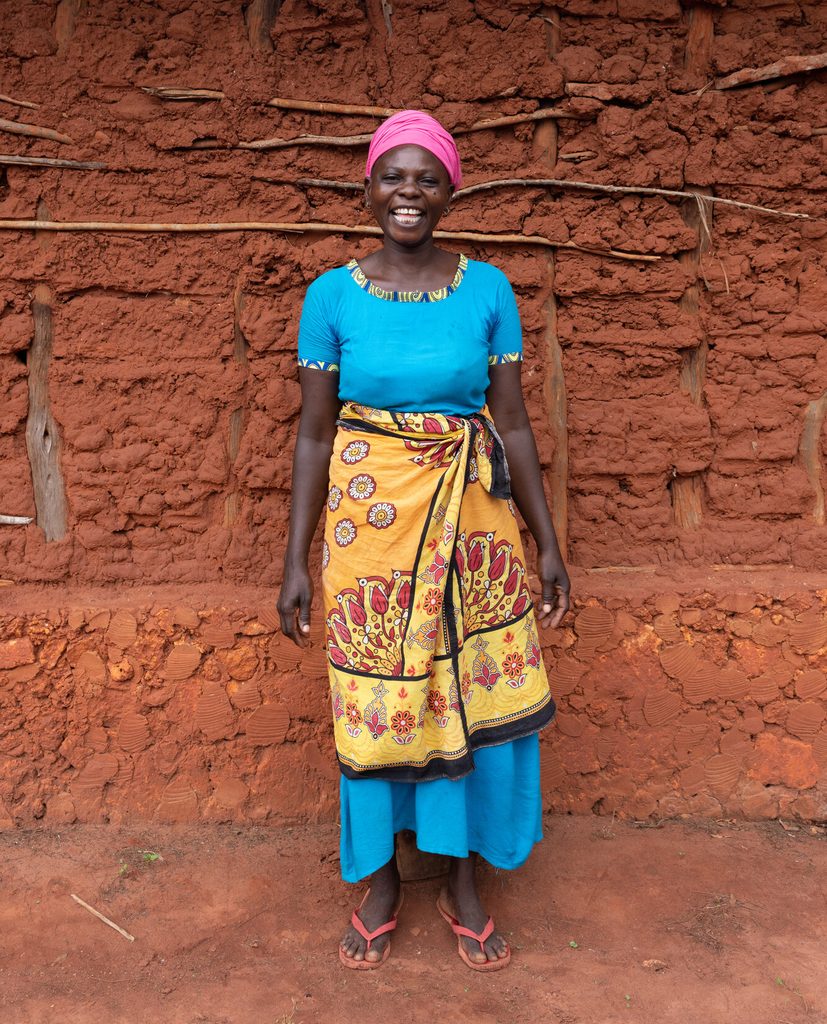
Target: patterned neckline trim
(367,285)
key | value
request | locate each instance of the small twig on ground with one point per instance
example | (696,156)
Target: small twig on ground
(34,131)
(101,917)
(15,520)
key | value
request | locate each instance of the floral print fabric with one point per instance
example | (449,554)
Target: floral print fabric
(429,624)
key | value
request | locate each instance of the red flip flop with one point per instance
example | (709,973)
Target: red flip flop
(356,921)
(459,930)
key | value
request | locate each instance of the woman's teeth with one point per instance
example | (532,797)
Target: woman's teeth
(407,217)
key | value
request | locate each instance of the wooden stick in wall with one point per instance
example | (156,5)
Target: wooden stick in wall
(323,107)
(18,103)
(32,130)
(12,160)
(172,92)
(547,113)
(305,227)
(564,183)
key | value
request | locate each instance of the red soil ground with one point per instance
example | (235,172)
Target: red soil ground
(609,923)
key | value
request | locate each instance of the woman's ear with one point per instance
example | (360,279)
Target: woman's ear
(448,204)
(366,195)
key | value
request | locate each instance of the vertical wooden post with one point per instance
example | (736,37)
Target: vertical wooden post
(810,451)
(42,434)
(259,18)
(64,24)
(687,491)
(240,347)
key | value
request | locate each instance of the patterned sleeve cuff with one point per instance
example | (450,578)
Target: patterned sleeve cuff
(505,357)
(319,364)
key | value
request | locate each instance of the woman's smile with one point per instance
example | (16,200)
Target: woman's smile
(407,216)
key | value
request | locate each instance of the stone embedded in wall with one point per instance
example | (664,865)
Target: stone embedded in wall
(182,661)
(214,713)
(679,661)
(805,719)
(781,761)
(820,749)
(268,724)
(808,634)
(218,634)
(90,666)
(96,773)
(122,629)
(240,661)
(16,652)
(230,793)
(564,675)
(179,802)
(810,683)
(722,772)
(133,733)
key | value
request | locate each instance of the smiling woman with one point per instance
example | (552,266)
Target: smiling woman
(414,433)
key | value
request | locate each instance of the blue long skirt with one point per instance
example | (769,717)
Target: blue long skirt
(495,811)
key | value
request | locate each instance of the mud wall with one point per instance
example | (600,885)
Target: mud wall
(148,391)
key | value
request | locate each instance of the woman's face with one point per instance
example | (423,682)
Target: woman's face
(407,192)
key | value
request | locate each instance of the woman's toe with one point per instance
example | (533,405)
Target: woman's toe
(475,954)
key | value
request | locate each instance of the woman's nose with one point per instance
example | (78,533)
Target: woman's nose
(409,187)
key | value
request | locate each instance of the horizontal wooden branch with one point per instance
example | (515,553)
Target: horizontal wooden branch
(793,65)
(12,160)
(308,140)
(323,107)
(341,186)
(350,186)
(302,227)
(172,92)
(545,114)
(32,130)
(15,520)
(18,103)
(623,190)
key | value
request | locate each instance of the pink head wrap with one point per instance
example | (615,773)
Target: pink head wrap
(414,127)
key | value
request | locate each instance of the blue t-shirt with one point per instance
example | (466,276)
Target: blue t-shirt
(411,351)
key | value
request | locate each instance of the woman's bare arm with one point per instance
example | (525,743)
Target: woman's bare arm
(311,466)
(505,400)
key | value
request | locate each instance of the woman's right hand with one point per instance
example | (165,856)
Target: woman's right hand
(294,605)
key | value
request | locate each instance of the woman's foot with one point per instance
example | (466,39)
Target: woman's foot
(464,904)
(378,908)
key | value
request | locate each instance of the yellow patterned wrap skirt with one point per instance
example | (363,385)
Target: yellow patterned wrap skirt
(429,624)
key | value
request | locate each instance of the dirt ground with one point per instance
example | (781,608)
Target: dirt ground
(608,922)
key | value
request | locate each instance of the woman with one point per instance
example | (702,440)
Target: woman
(414,433)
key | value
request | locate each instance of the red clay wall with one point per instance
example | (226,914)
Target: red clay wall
(687,439)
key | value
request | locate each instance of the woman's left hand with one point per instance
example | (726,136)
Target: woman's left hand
(555,584)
